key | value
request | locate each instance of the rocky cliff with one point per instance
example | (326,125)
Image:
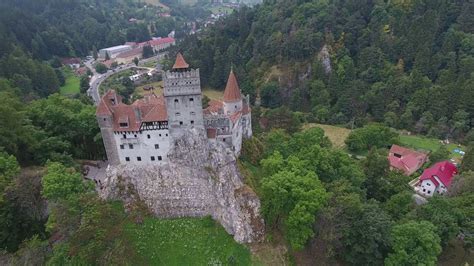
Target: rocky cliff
(201,178)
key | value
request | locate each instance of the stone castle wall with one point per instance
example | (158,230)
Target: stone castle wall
(201,178)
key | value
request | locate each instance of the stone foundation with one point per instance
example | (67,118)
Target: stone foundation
(200,179)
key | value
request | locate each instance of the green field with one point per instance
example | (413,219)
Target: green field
(186,241)
(428,144)
(72,85)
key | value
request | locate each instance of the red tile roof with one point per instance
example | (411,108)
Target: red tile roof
(406,160)
(443,170)
(159,41)
(151,108)
(232,90)
(180,63)
(215,106)
(134,52)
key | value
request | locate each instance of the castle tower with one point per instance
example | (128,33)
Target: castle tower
(105,120)
(232,96)
(182,91)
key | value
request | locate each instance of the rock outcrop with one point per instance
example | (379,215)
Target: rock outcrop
(201,178)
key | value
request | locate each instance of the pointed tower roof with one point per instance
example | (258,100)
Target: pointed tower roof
(232,90)
(180,63)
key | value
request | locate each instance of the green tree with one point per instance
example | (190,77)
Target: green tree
(95,54)
(400,204)
(468,160)
(147,51)
(440,154)
(369,136)
(414,243)
(61,183)
(100,68)
(294,198)
(84,83)
(270,94)
(443,214)
(368,240)
(135,61)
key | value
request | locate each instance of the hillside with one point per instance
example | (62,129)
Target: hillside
(407,64)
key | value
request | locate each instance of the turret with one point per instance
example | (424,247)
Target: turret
(232,96)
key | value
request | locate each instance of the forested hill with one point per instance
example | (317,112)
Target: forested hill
(408,64)
(70,27)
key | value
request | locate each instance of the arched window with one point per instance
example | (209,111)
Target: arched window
(176,102)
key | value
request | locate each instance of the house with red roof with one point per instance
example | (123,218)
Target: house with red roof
(406,160)
(437,179)
(159,44)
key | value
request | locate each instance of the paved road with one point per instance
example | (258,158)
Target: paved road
(97,78)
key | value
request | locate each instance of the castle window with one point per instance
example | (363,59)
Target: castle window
(148,136)
(167,134)
(122,147)
(105,119)
(160,158)
(424,190)
(153,158)
(176,102)
(178,114)
(139,158)
(159,135)
(193,113)
(180,123)
(124,136)
(135,135)
(130,146)
(123,124)
(429,191)
(223,139)
(157,146)
(191,101)
(192,122)
(127,159)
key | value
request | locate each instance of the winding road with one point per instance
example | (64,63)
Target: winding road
(97,78)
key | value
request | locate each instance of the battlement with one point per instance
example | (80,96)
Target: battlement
(182,83)
(191,73)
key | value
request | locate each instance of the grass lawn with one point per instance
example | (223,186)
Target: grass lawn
(337,135)
(186,241)
(428,144)
(213,94)
(72,85)
(158,85)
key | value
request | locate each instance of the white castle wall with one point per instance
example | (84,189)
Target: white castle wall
(143,146)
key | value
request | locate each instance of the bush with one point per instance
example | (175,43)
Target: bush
(373,135)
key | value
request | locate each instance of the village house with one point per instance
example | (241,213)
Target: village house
(142,133)
(436,179)
(406,160)
(72,62)
(159,44)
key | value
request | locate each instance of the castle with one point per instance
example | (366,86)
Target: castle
(143,132)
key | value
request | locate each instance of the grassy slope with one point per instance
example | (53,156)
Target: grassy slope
(72,85)
(186,241)
(337,135)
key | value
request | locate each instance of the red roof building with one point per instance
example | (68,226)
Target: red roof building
(406,160)
(437,179)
